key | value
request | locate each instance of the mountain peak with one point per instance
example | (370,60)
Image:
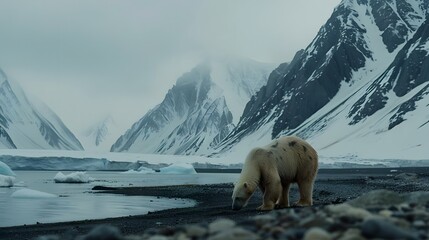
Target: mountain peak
(198,111)
(31,124)
(355,46)
(101,135)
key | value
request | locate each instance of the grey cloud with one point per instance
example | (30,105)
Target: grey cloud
(121,57)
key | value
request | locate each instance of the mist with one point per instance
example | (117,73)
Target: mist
(90,59)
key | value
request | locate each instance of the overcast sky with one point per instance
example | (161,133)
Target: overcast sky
(87,59)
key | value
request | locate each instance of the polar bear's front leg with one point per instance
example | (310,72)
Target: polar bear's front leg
(271,196)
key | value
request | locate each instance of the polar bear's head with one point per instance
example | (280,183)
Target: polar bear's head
(241,195)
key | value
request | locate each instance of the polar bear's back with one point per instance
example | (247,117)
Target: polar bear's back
(295,158)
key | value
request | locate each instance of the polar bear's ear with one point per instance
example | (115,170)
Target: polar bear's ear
(246,185)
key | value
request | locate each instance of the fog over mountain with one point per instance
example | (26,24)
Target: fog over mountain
(121,57)
(199,111)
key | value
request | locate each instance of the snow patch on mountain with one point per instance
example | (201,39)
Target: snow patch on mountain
(25,122)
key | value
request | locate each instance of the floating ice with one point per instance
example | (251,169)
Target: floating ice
(141,170)
(145,169)
(5,170)
(6,181)
(75,177)
(30,193)
(178,168)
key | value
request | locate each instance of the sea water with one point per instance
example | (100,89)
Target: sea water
(79,202)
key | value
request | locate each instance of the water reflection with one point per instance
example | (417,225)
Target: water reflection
(81,203)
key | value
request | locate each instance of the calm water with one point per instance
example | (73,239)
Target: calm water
(78,202)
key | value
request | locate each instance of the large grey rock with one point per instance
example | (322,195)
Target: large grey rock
(378,228)
(377,198)
(420,198)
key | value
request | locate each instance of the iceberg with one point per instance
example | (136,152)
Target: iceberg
(141,170)
(30,193)
(5,170)
(6,181)
(178,168)
(75,177)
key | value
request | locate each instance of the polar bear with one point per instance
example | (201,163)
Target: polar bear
(273,169)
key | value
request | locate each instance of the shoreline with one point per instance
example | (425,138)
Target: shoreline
(214,202)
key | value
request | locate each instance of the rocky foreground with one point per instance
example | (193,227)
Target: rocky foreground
(399,213)
(379,214)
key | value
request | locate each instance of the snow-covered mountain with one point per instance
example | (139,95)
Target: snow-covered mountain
(101,135)
(359,88)
(199,111)
(29,124)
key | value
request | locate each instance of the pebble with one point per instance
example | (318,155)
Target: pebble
(221,225)
(346,209)
(294,233)
(235,234)
(102,232)
(377,198)
(261,220)
(313,221)
(406,177)
(276,232)
(419,198)
(49,237)
(158,237)
(352,234)
(378,228)
(385,213)
(316,233)
(196,231)
(420,224)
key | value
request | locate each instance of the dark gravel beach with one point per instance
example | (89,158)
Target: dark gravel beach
(214,203)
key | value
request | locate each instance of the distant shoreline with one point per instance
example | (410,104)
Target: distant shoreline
(368,170)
